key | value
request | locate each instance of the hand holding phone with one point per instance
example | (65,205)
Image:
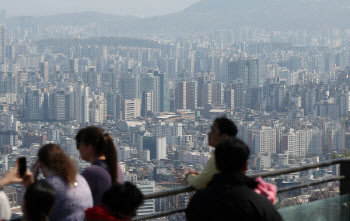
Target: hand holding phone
(15,175)
(22,166)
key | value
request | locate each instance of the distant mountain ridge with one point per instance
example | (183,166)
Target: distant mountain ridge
(210,15)
(218,14)
(83,18)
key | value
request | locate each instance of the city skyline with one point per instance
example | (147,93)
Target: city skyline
(157,84)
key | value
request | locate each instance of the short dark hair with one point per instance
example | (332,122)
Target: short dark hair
(40,199)
(123,199)
(231,155)
(226,126)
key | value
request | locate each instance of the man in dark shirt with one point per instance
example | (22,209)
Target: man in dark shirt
(230,195)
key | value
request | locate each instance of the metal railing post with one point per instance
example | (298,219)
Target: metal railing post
(345,183)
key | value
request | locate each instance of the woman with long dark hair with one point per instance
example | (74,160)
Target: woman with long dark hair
(96,147)
(73,194)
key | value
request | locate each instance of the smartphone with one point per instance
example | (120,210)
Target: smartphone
(22,166)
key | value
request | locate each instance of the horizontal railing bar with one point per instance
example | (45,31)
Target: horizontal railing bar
(273,173)
(279,191)
(158,215)
(310,184)
(175,191)
(169,192)
(302,168)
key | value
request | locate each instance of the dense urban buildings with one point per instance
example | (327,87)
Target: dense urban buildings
(157,95)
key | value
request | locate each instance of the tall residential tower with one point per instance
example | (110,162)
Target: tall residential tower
(2,44)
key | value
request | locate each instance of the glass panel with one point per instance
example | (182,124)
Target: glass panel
(335,209)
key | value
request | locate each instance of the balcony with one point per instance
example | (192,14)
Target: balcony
(335,209)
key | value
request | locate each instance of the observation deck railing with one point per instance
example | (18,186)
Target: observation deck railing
(343,178)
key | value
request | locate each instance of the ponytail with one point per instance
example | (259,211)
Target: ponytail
(110,153)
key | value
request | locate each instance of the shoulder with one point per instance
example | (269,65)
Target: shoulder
(96,175)
(5,211)
(94,170)
(211,162)
(269,210)
(54,178)
(238,199)
(252,204)
(56,181)
(82,181)
(99,213)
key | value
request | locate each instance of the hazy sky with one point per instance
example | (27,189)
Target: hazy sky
(140,8)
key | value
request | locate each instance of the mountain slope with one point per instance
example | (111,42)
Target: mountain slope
(210,15)
(215,14)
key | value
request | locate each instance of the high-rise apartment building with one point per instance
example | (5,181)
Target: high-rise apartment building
(71,148)
(131,109)
(301,143)
(146,155)
(192,95)
(10,123)
(81,99)
(344,104)
(230,98)
(98,111)
(164,91)
(70,105)
(186,95)
(201,88)
(208,94)
(161,148)
(58,105)
(245,69)
(35,101)
(254,97)
(315,148)
(2,44)
(265,141)
(44,70)
(336,138)
(308,100)
(240,94)
(147,103)
(54,135)
(148,83)
(180,96)
(150,143)
(92,78)
(73,65)
(129,86)
(218,93)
